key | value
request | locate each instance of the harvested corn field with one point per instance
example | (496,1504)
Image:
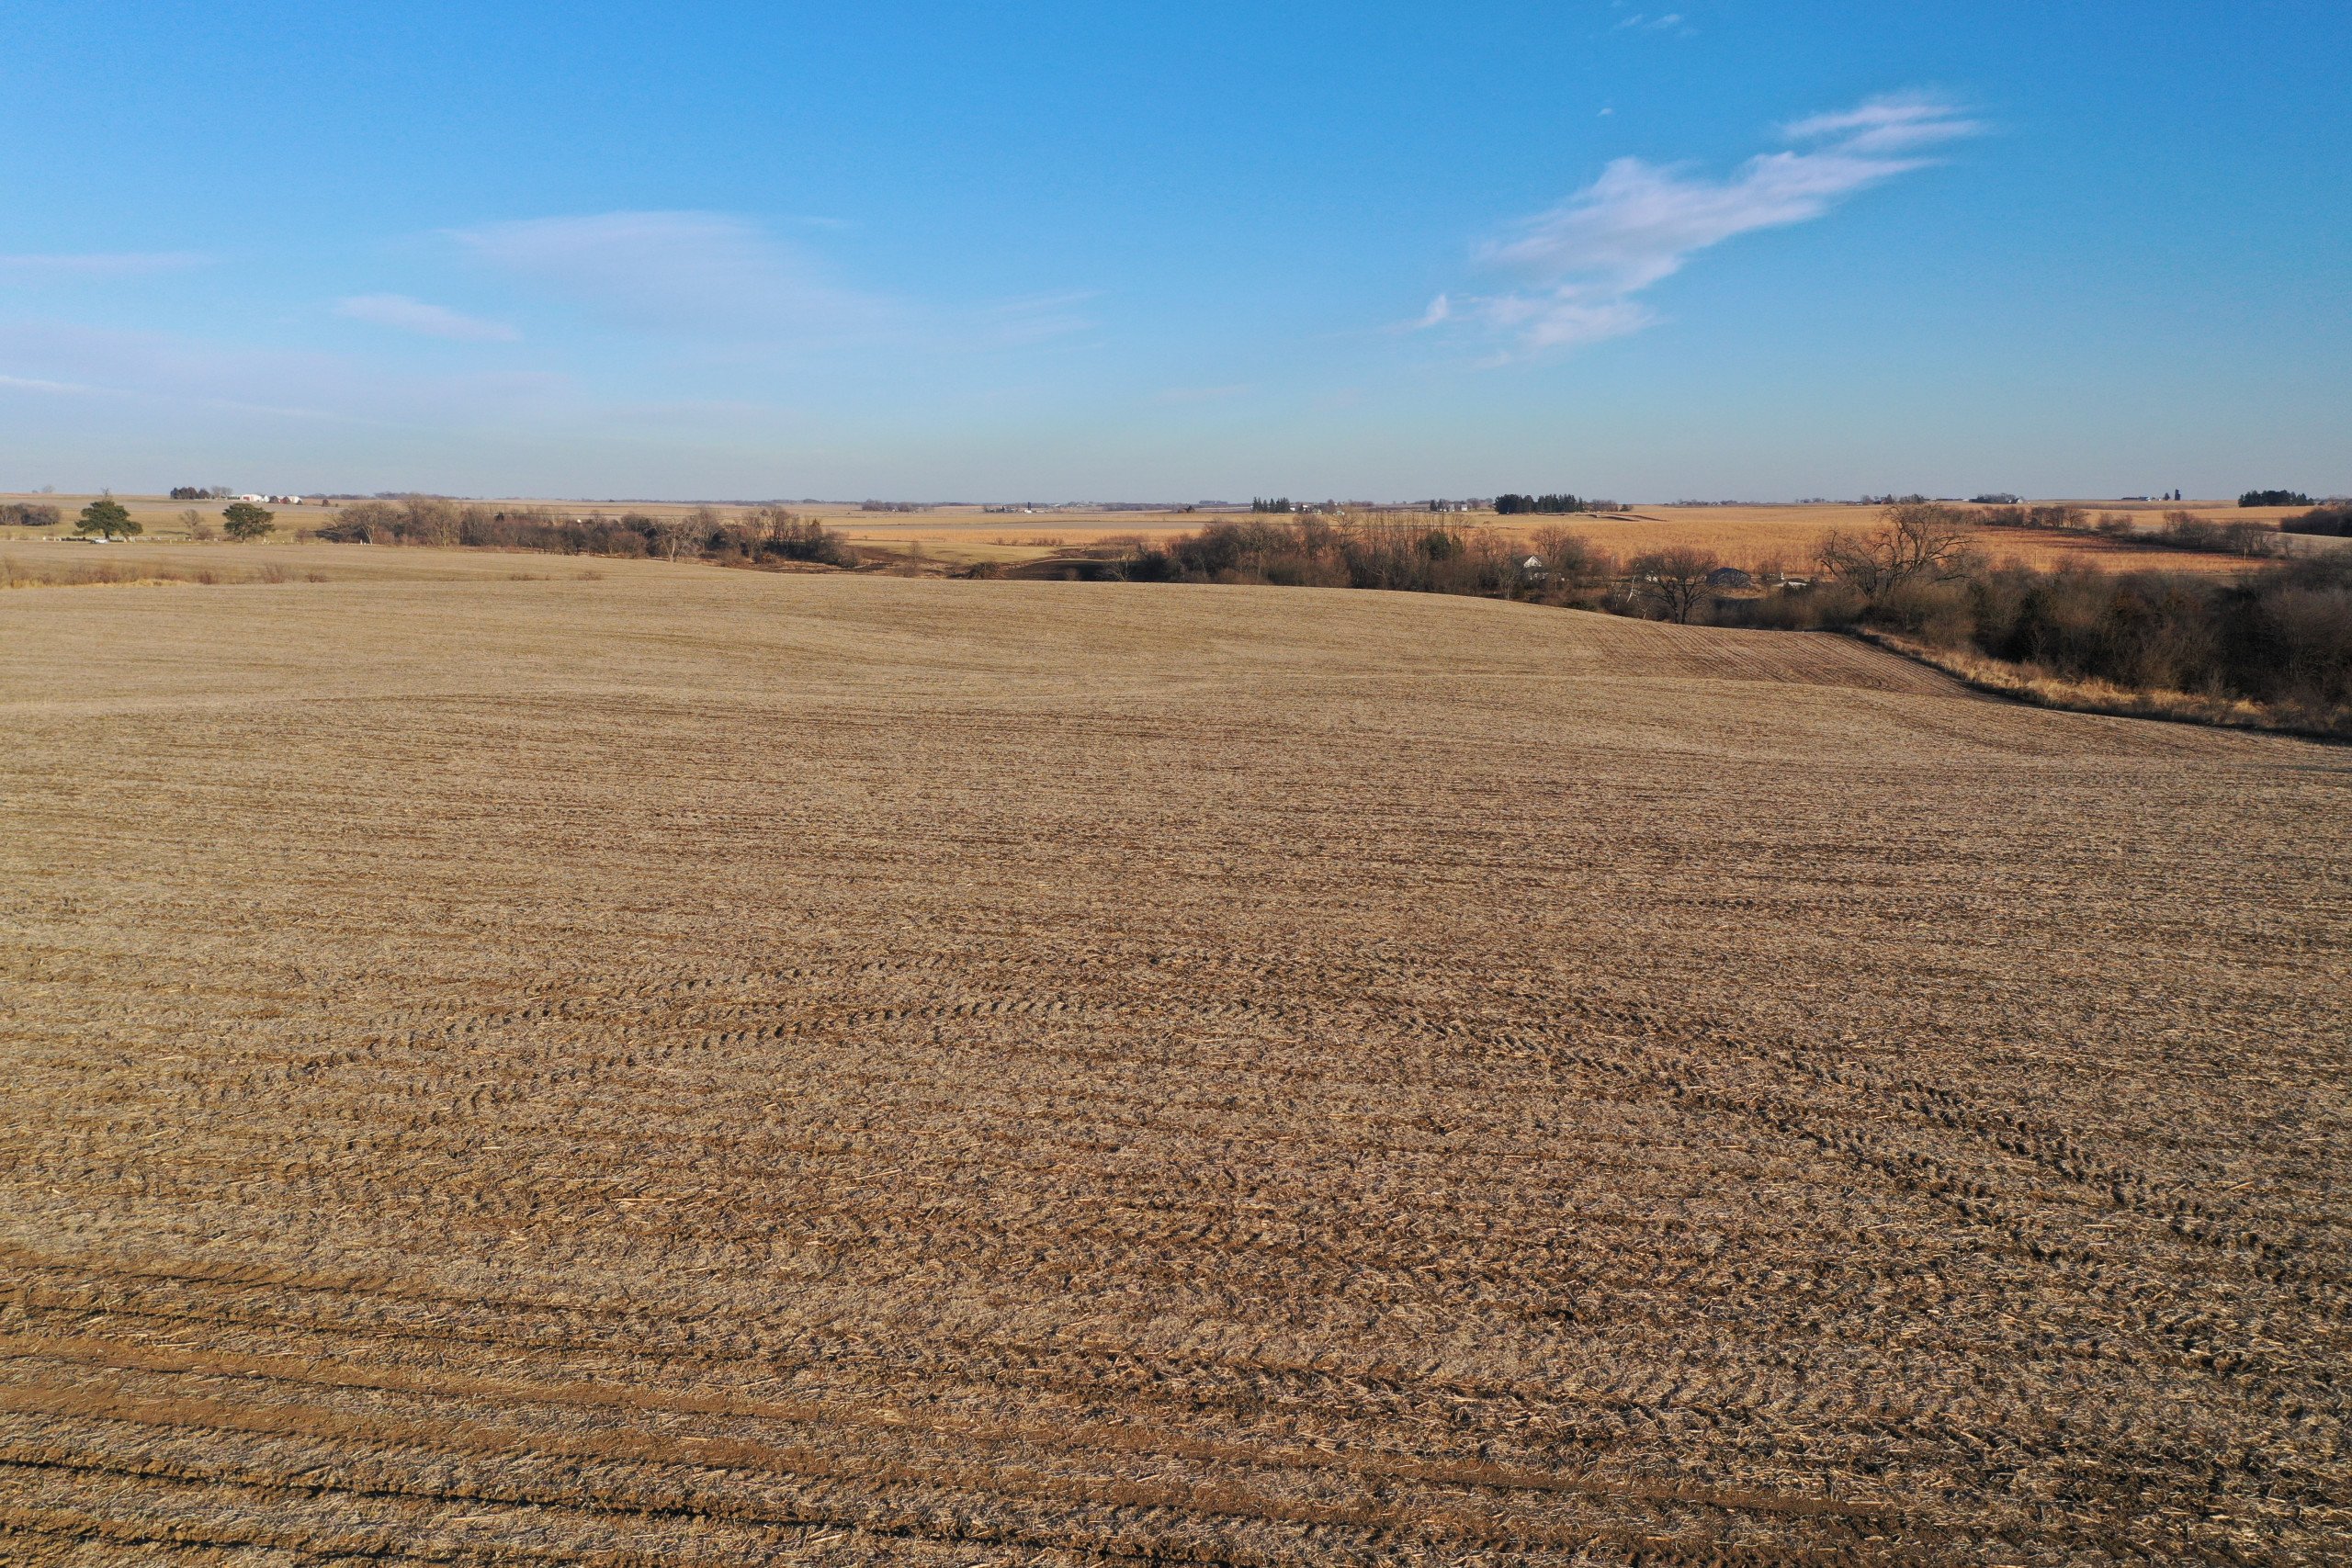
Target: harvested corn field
(702,1067)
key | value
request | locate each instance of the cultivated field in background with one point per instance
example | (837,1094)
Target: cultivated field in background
(1748,537)
(643,1064)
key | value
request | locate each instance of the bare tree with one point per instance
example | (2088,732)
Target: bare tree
(1571,558)
(756,528)
(674,536)
(1675,579)
(1915,543)
(431,520)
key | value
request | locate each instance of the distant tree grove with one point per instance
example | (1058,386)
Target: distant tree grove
(758,536)
(1512,505)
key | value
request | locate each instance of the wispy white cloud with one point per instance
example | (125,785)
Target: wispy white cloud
(147,370)
(1893,122)
(1586,261)
(404,314)
(1015,322)
(168,370)
(702,275)
(39,384)
(731,286)
(98,266)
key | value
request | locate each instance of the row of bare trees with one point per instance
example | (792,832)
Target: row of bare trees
(1914,543)
(2280,635)
(1917,545)
(1556,565)
(751,536)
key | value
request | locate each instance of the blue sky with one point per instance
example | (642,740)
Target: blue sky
(1177,251)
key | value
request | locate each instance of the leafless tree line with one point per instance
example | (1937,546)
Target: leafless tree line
(752,536)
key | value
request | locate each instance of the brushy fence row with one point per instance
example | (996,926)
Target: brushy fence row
(2272,645)
(761,535)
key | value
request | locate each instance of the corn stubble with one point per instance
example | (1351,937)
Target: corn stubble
(703,1068)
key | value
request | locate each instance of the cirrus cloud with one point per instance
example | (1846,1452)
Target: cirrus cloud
(686,274)
(404,314)
(726,283)
(1584,263)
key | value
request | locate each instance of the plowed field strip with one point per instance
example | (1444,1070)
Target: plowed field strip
(394,1542)
(707,1461)
(510,1392)
(1343,1398)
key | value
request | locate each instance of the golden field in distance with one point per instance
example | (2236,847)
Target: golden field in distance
(947,536)
(517,1059)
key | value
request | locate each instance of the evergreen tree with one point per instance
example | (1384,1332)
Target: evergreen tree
(245,520)
(106,518)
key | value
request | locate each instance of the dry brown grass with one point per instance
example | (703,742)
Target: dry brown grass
(40,563)
(127,569)
(688,1066)
(2027,684)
